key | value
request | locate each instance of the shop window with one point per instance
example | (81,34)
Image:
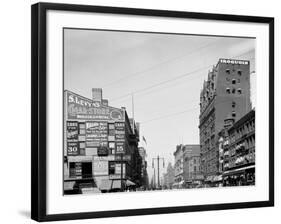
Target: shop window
(72,169)
(239,91)
(111,168)
(112,147)
(228,90)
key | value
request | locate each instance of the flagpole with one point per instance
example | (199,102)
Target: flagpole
(133,113)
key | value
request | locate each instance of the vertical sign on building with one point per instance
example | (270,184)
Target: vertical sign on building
(72,138)
(120,137)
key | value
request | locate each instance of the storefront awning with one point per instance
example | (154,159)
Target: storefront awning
(240,170)
(130,183)
(116,184)
(69,185)
(105,184)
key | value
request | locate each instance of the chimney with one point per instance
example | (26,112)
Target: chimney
(104,102)
(97,94)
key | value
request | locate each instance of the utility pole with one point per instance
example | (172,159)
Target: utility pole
(121,172)
(158,168)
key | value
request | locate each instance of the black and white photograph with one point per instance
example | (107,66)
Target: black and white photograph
(142,111)
(152,111)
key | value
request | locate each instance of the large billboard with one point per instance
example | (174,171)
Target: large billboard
(81,108)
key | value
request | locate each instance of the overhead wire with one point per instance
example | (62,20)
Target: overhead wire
(159,64)
(169,80)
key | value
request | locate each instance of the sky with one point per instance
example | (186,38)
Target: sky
(162,73)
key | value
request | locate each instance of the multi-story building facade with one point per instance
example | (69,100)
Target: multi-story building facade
(239,152)
(100,145)
(144,175)
(226,92)
(191,166)
(178,176)
(169,177)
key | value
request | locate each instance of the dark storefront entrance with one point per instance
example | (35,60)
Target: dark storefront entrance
(86,170)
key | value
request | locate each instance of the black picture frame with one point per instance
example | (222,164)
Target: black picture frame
(39,108)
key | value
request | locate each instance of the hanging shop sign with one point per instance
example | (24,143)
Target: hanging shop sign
(81,108)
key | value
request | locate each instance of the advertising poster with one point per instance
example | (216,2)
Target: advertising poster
(96,134)
(100,165)
(72,138)
(119,131)
(120,147)
(72,130)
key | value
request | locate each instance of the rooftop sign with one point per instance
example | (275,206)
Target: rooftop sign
(232,61)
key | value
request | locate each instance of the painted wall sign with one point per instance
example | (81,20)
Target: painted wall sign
(72,149)
(96,133)
(72,138)
(100,165)
(119,131)
(81,108)
(72,130)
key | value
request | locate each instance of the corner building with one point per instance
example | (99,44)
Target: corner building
(100,145)
(225,93)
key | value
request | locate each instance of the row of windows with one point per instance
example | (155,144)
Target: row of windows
(233,81)
(233,91)
(227,71)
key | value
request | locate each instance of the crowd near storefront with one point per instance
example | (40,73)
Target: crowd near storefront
(101,152)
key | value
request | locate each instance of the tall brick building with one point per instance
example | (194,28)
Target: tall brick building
(226,93)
